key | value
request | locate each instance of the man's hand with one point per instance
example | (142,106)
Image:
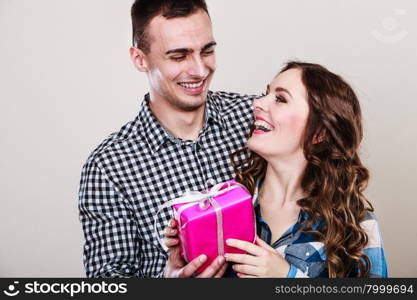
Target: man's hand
(176,266)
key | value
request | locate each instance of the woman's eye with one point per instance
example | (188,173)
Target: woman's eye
(280,99)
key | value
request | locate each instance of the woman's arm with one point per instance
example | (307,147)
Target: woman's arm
(374,249)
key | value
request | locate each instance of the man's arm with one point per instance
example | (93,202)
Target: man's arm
(111,241)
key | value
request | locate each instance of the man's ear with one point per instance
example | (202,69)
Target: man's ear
(139,59)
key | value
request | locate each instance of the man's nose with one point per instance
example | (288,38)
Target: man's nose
(197,68)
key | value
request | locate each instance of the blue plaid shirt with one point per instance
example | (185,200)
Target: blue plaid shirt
(307,257)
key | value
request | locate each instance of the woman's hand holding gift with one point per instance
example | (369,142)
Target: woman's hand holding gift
(261,260)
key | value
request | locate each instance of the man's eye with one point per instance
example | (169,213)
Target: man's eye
(208,52)
(280,99)
(177,58)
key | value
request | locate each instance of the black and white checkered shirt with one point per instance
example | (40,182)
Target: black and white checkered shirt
(135,170)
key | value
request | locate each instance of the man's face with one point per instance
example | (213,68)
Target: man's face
(181,61)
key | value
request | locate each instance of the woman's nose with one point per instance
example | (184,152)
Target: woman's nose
(260,104)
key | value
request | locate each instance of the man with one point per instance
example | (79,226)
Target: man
(181,139)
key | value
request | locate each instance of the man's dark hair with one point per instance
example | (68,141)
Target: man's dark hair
(143,11)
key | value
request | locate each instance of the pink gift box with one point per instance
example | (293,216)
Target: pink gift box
(199,227)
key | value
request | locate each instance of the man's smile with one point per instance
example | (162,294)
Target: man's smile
(193,87)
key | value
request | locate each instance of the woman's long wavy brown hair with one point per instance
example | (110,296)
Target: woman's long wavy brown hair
(334,178)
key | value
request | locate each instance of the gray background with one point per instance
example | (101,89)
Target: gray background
(66,82)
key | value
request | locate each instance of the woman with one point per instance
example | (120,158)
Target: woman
(307,181)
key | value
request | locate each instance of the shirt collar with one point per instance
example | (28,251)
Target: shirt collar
(151,130)
(213,110)
(155,134)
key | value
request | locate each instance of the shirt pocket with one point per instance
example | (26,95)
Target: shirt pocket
(309,257)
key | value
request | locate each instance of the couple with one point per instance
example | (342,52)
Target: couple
(300,163)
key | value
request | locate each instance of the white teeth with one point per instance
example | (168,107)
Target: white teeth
(263,125)
(191,85)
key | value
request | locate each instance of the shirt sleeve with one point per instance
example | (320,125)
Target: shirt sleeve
(374,249)
(111,241)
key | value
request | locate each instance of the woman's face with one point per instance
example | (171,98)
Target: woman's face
(280,117)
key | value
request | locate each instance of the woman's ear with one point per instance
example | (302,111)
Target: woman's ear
(320,136)
(138,58)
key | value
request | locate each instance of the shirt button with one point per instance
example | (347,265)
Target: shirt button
(210,182)
(307,253)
